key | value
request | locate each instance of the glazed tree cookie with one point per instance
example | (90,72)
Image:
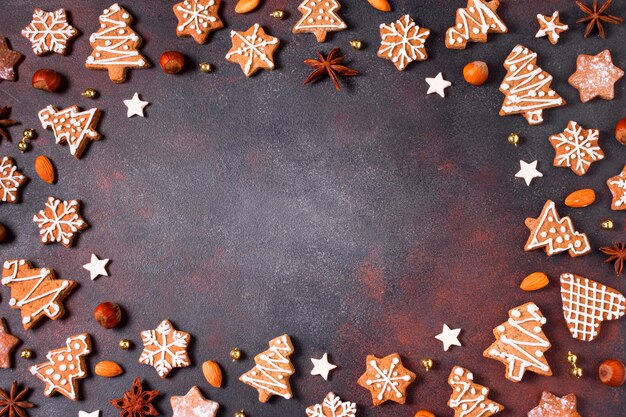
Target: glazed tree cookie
(115,45)
(253,49)
(65,367)
(402,42)
(617,185)
(527,87)
(10,180)
(553,406)
(71,126)
(35,291)
(60,221)
(468,398)
(319,17)
(587,303)
(474,22)
(197,18)
(554,234)
(520,343)
(49,32)
(576,148)
(595,76)
(270,375)
(386,378)
(165,348)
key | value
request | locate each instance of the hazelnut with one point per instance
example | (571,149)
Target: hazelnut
(172,62)
(424,413)
(620,131)
(612,372)
(476,73)
(47,80)
(108,314)
(3,232)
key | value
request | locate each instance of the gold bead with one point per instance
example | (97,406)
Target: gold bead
(577,372)
(278,14)
(356,44)
(29,133)
(513,139)
(427,364)
(125,344)
(23,146)
(90,93)
(240,413)
(26,353)
(607,224)
(235,354)
(572,358)
(205,67)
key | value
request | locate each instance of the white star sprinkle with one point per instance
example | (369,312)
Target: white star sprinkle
(438,85)
(135,106)
(97,267)
(528,171)
(86,414)
(322,367)
(449,337)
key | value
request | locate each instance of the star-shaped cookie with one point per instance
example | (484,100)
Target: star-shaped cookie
(49,32)
(197,18)
(551,27)
(386,378)
(595,76)
(8,342)
(576,148)
(253,49)
(165,348)
(8,60)
(193,404)
(553,406)
(617,185)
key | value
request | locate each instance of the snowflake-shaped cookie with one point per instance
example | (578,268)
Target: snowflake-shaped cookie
(59,221)
(197,18)
(49,32)
(252,49)
(402,42)
(332,406)
(165,348)
(576,148)
(617,185)
(386,378)
(10,180)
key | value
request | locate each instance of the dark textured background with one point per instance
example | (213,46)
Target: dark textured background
(357,222)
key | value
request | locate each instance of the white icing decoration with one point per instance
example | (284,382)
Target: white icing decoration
(62,226)
(332,406)
(159,349)
(198,16)
(410,45)
(575,147)
(10,180)
(49,31)
(478,23)
(319,15)
(273,365)
(467,400)
(388,378)
(577,243)
(252,48)
(77,125)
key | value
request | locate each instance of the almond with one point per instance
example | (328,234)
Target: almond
(108,369)
(534,281)
(581,198)
(45,169)
(382,5)
(245,6)
(213,373)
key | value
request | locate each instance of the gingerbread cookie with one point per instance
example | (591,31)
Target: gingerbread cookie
(617,185)
(520,343)
(468,398)
(165,348)
(527,87)
(587,303)
(60,221)
(576,148)
(474,22)
(332,406)
(197,18)
(10,180)
(595,76)
(116,45)
(402,42)
(253,49)
(8,343)
(71,126)
(386,378)
(193,404)
(553,406)
(554,234)
(551,27)
(270,375)
(9,59)
(65,367)
(35,291)
(49,32)
(319,17)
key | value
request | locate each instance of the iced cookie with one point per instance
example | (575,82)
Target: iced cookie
(60,221)
(253,49)
(49,32)
(402,42)
(595,76)
(10,180)
(319,17)
(386,378)
(617,185)
(468,398)
(71,126)
(197,18)
(165,348)
(576,148)
(474,22)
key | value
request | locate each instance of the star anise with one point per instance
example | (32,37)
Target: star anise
(617,254)
(597,16)
(5,122)
(136,402)
(12,404)
(331,66)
